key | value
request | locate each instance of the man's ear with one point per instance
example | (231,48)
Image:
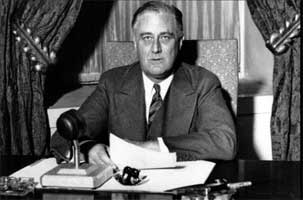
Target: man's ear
(134,41)
(181,42)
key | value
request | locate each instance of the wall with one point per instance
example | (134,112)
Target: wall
(255,96)
(258,62)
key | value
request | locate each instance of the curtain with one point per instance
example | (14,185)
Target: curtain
(270,16)
(201,19)
(31,33)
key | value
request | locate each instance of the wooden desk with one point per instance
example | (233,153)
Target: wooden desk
(271,180)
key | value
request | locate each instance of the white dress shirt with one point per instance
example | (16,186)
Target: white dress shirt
(149,92)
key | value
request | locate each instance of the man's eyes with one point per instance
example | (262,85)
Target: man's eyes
(162,37)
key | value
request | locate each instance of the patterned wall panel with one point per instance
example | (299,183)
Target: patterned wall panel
(118,54)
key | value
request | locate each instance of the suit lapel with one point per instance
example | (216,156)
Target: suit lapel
(130,101)
(175,115)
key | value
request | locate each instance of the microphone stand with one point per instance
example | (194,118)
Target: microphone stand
(76,152)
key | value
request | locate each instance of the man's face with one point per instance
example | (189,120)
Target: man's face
(157,42)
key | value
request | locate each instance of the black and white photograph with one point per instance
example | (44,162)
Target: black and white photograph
(150,99)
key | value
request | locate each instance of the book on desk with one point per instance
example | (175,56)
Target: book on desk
(87,176)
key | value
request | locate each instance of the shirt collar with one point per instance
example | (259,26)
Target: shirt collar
(164,85)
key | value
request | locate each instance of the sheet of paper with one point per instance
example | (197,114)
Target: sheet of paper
(126,154)
(159,180)
(36,169)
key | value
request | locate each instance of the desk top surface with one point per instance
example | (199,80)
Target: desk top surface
(270,180)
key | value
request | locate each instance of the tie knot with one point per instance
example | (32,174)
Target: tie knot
(157,88)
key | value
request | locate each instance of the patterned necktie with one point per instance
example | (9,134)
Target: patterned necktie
(155,104)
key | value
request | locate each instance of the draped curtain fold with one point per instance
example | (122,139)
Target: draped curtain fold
(270,16)
(31,33)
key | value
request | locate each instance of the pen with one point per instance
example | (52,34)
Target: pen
(222,184)
(239,184)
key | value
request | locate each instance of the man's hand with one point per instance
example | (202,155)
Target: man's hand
(98,154)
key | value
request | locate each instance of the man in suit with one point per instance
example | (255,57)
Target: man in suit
(184,113)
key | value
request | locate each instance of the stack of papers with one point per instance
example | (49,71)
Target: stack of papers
(159,180)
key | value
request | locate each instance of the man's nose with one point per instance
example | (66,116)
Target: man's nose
(156,48)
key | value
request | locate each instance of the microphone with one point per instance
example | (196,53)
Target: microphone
(70,125)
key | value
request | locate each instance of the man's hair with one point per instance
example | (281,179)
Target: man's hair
(158,6)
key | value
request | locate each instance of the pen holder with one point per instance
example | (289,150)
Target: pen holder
(204,194)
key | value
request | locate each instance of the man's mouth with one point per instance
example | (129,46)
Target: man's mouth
(156,59)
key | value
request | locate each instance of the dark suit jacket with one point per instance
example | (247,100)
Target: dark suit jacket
(193,121)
